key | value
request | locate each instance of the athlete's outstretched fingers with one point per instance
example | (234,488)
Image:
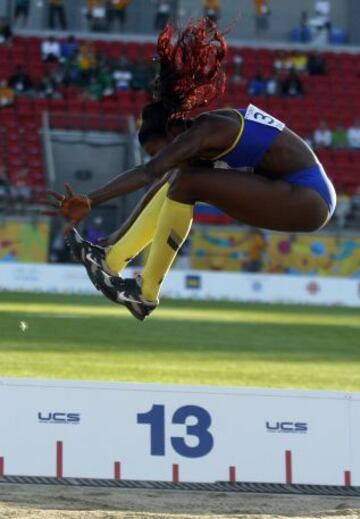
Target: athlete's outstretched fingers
(69,191)
(56,195)
(57,205)
(56,201)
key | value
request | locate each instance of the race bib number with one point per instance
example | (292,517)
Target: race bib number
(253,113)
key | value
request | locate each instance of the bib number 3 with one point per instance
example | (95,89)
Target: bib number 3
(259,116)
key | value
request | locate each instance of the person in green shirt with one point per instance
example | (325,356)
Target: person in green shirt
(105,79)
(339,137)
(94,91)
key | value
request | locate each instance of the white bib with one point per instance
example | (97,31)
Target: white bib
(253,113)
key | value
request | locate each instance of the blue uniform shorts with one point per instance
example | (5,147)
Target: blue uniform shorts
(315,178)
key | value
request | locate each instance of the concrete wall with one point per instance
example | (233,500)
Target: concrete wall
(285,15)
(140,16)
(354,21)
(3,7)
(104,155)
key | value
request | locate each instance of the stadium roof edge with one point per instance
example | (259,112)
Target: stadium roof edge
(142,38)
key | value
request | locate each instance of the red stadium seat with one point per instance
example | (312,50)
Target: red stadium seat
(75,105)
(57,104)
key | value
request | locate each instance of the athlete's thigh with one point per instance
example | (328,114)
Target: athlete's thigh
(255,200)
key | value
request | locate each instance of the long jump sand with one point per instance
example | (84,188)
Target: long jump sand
(46,502)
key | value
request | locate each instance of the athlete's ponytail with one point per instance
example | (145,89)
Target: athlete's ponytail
(190,74)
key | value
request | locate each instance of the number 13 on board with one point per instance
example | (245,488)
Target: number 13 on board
(200,430)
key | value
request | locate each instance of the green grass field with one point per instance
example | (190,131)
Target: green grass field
(78,337)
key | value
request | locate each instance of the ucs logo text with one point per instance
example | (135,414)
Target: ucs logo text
(59,418)
(287,427)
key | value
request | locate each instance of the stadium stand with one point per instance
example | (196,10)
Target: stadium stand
(324,98)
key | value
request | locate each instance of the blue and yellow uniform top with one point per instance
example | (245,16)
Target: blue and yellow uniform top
(257,132)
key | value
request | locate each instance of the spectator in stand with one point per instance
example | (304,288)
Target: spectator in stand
(122,75)
(69,48)
(5,31)
(262,14)
(353,135)
(316,65)
(69,73)
(142,75)
(321,22)
(163,12)
(94,90)
(212,9)
(283,62)
(7,94)
(4,184)
(323,12)
(323,136)
(22,10)
(87,61)
(340,137)
(47,88)
(237,77)
(273,85)
(305,34)
(292,85)
(50,50)
(304,19)
(58,74)
(57,10)
(343,207)
(117,12)
(20,81)
(257,86)
(95,230)
(299,61)
(105,78)
(97,14)
(20,188)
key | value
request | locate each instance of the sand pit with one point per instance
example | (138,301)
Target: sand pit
(46,502)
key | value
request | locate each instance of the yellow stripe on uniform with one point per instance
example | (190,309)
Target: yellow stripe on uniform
(238,137)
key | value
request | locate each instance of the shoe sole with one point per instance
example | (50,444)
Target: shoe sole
(111,294)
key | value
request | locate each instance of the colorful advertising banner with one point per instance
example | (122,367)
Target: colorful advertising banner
(259,251)
(23,241)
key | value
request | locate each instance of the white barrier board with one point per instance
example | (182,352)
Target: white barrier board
(185,433)
(193,284)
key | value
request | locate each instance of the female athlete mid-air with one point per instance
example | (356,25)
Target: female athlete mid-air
(243,161)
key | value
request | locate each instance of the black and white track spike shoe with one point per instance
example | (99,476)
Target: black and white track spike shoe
(90,255)
(126,292)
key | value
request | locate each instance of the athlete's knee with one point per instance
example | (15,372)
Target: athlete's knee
(183,186)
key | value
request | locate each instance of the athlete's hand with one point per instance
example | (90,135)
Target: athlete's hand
(72,206)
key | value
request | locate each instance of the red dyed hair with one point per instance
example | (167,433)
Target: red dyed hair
(190,66)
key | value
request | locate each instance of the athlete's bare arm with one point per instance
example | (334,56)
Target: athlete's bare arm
(209,133)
